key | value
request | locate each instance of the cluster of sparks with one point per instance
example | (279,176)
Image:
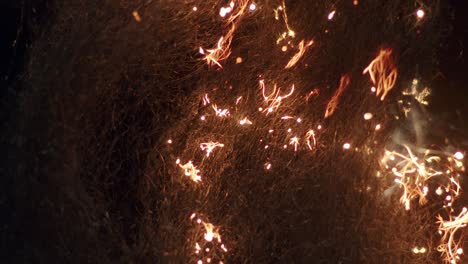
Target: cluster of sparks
(417,170)
(210,248)
(437,172)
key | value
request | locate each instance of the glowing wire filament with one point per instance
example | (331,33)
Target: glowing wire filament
(295,142)
(382,72)
(452,245)
(191,171)
(210,233)
(222,51)
(220,112)
(289,33)
(273,99)
(302,49)
(209,146)
(310,134)
(344,82)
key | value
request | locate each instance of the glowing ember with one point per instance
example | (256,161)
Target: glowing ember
(368,116)
(458,155)
(136,16)
(191,171)
(420,13)
(245,121)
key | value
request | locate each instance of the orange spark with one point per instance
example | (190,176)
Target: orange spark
(136,16)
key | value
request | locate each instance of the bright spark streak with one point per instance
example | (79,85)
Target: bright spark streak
(344,82)
(209,146)
(382,72)
(191,171)
(331,15)
(310,134)
(295,142)
(206,100)
(302,49)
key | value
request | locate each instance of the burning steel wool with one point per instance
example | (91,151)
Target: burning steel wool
(236,131)
(422,175)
